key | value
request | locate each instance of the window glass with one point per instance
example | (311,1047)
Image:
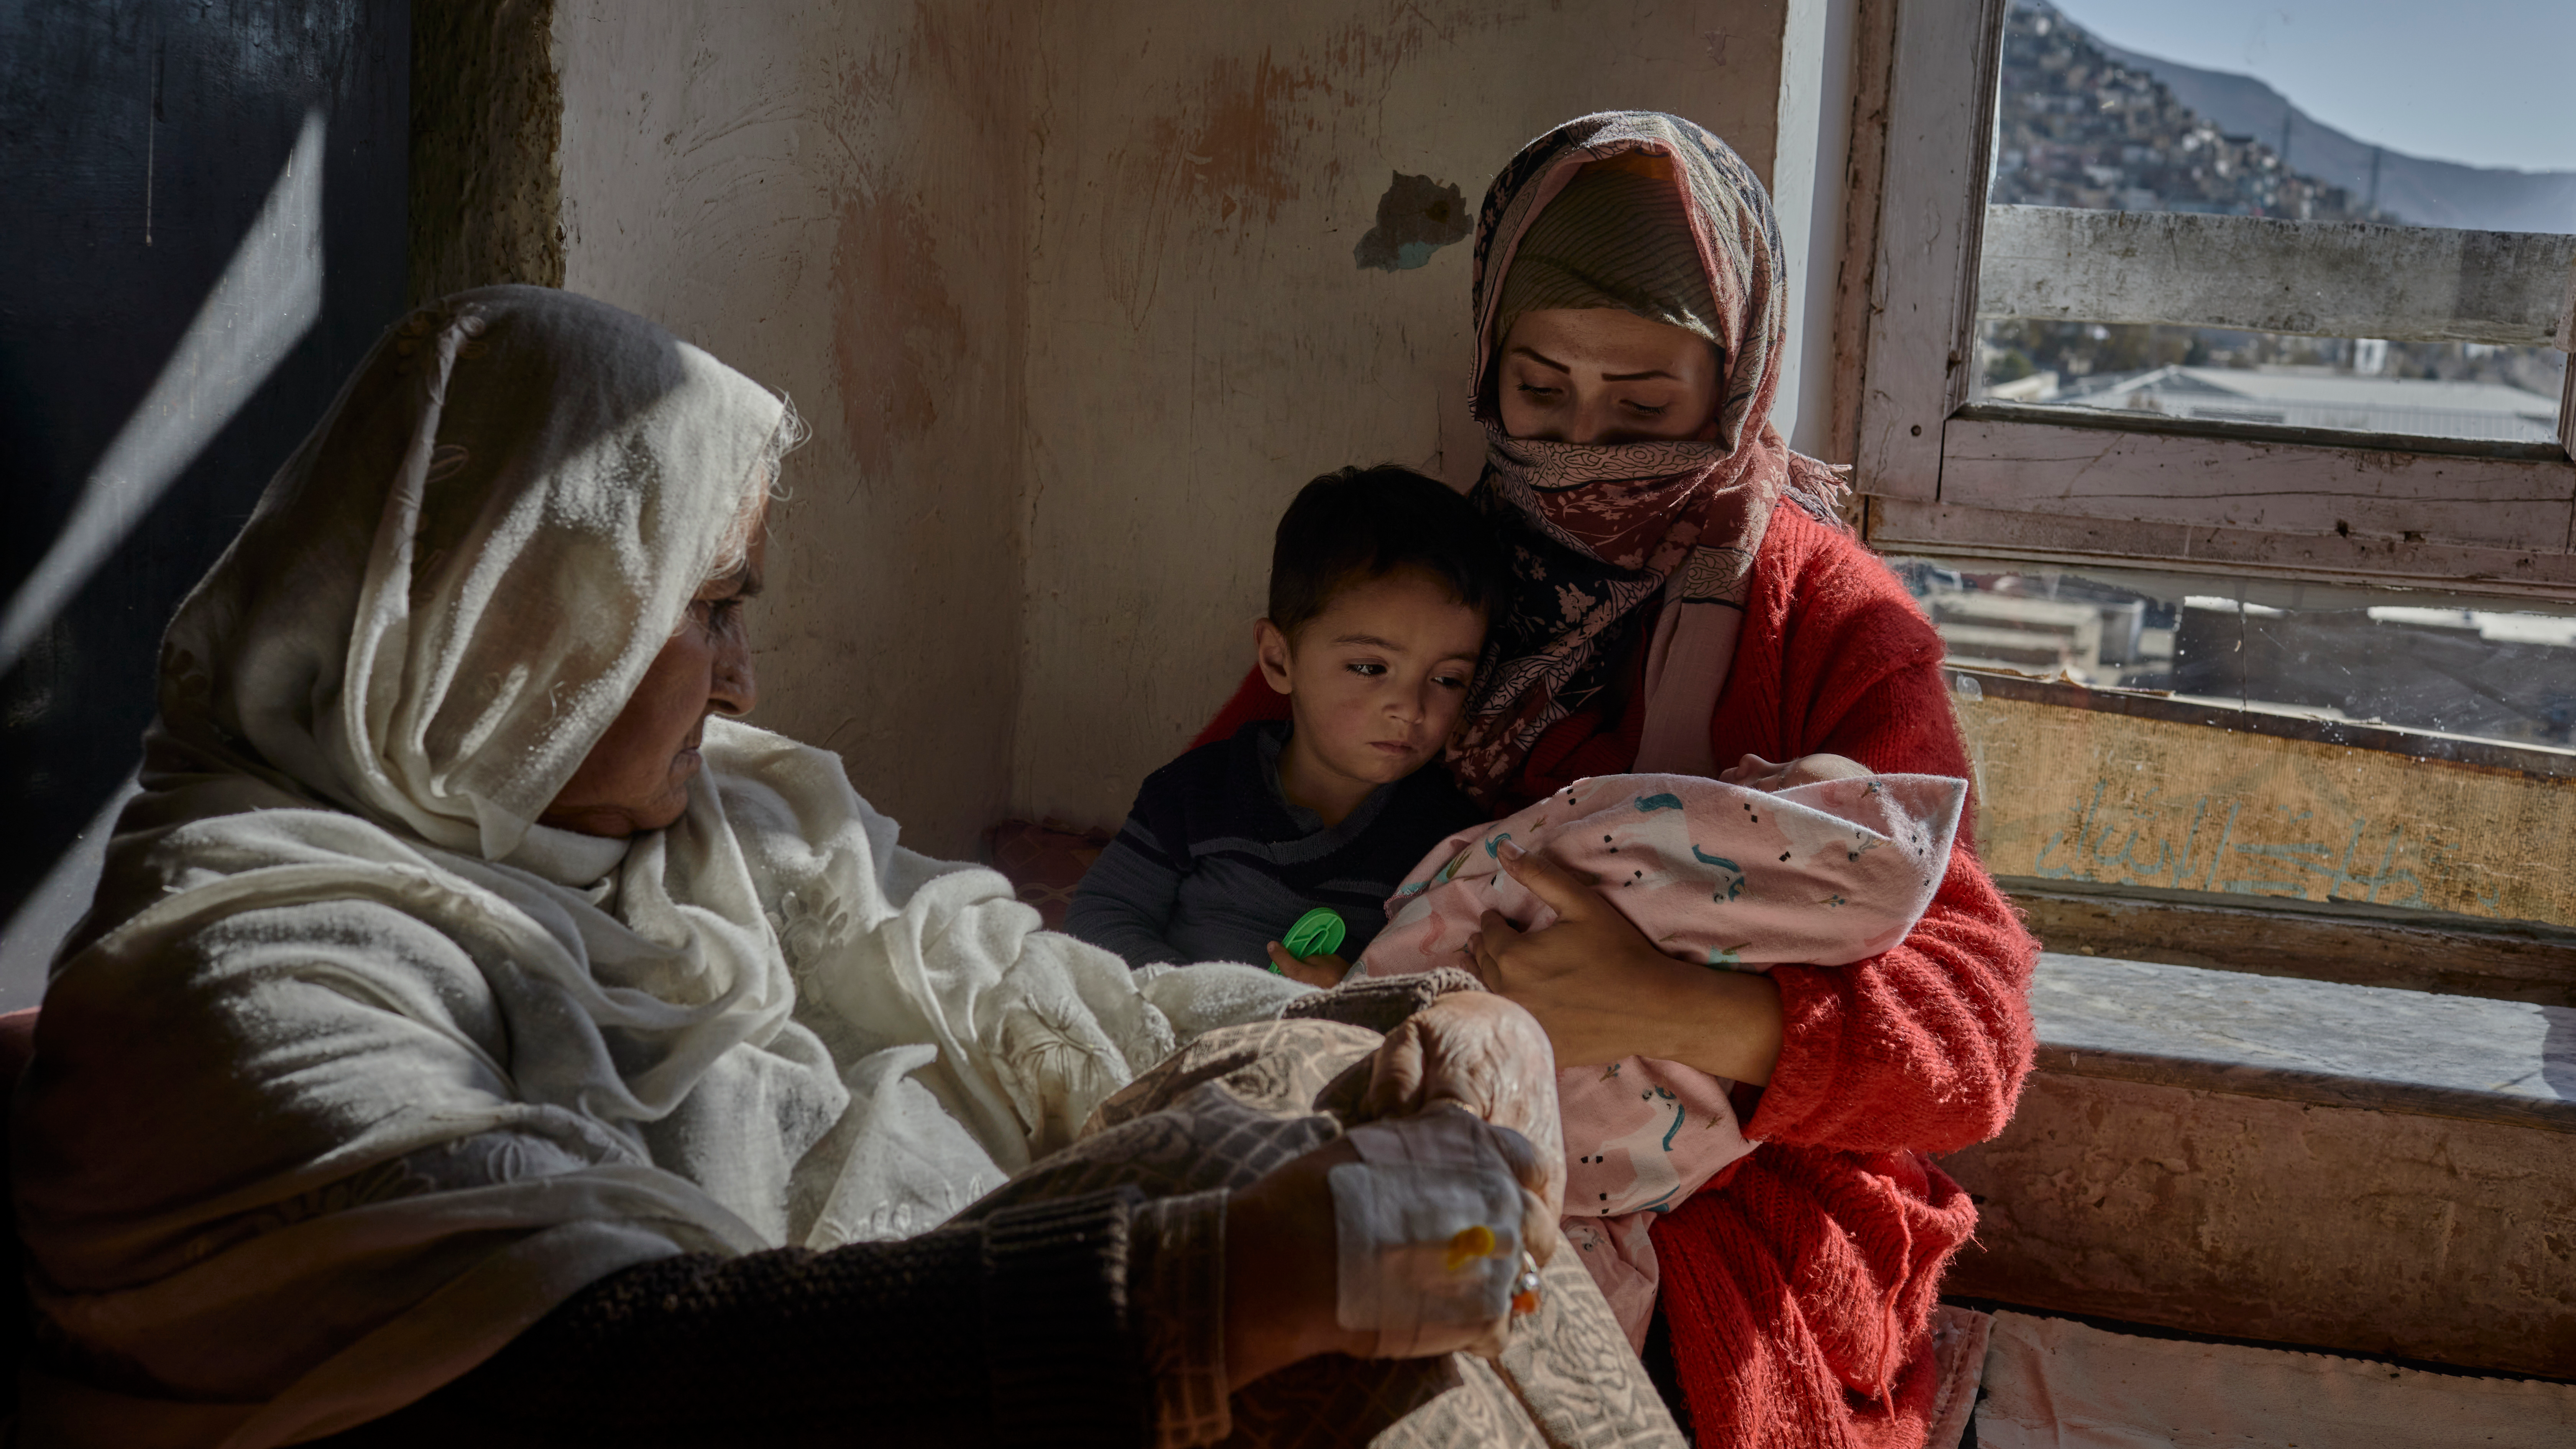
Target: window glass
(2216,112)
(2491,669)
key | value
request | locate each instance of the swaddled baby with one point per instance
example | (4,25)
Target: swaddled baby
(1817,862)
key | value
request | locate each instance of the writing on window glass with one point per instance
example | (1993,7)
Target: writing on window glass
(2194,844)
(2084,796)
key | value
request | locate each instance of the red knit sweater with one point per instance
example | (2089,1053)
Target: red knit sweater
(1799,1284)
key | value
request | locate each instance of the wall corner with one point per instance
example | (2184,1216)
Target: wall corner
(486,134)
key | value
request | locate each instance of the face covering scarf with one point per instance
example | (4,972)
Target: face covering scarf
(355,1070)
(1602,534)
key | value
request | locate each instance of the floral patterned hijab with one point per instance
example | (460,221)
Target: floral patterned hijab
(1608,538)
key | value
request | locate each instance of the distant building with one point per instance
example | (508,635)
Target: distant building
(2476,672)
(2037,387)
(2321,399)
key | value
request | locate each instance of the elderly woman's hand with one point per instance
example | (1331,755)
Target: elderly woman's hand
(1282,1274)
(1603,992)
(1480,1052)
(1470,1051)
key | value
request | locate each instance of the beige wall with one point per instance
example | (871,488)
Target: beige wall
(1067,292)
(1201,341)
(832,197)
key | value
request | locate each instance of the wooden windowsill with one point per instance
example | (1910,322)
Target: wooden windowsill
(2328,1043)
(2122,421)
(2135,824)
(2351,944)
(2299,1161)
(2537,761)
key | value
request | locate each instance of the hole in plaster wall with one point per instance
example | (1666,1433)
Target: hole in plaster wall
(1416,217)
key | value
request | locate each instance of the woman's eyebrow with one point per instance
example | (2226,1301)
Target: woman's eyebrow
(1541,358)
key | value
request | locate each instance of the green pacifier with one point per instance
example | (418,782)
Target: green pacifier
(1319,932)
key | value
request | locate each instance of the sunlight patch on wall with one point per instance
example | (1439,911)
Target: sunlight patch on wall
(269,296)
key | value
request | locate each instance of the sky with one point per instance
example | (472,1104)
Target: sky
(2487,82)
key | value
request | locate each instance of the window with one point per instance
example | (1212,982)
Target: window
(2201,418)
(2245,736)
(2435,664)
(2136,334)
(2128,185)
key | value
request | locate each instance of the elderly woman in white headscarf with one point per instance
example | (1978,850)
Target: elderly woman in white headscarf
(480,1036)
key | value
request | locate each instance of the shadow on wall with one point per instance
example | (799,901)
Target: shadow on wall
(215,234)
(2558,1051)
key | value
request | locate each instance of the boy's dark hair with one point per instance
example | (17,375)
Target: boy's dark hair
(1365,523)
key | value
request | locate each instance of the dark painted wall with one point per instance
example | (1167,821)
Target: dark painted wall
(179,114)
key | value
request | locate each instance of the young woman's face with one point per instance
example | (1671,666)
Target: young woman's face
(637,777)
(1600,375)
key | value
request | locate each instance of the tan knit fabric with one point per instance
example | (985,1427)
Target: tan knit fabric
(1616,237)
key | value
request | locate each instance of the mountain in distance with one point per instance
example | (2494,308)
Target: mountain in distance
(2079,124)
(2416,189)
(2075,127)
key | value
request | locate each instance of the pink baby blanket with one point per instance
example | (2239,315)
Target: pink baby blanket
(1718,875)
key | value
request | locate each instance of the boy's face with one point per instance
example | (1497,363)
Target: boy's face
(1377,680)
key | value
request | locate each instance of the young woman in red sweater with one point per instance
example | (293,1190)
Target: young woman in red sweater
(1683,596)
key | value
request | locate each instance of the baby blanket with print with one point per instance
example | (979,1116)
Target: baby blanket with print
(1724,876)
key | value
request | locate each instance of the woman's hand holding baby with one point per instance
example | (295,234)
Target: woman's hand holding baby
(1756,773)
(1602,991)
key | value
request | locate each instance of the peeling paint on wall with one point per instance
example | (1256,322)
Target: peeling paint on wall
(1416,217)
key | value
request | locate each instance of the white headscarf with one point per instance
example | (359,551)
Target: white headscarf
(355,1070)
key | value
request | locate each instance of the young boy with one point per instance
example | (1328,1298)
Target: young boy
(1381,585)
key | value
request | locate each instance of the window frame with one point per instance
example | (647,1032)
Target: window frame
(1944,475)
(1925,107)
